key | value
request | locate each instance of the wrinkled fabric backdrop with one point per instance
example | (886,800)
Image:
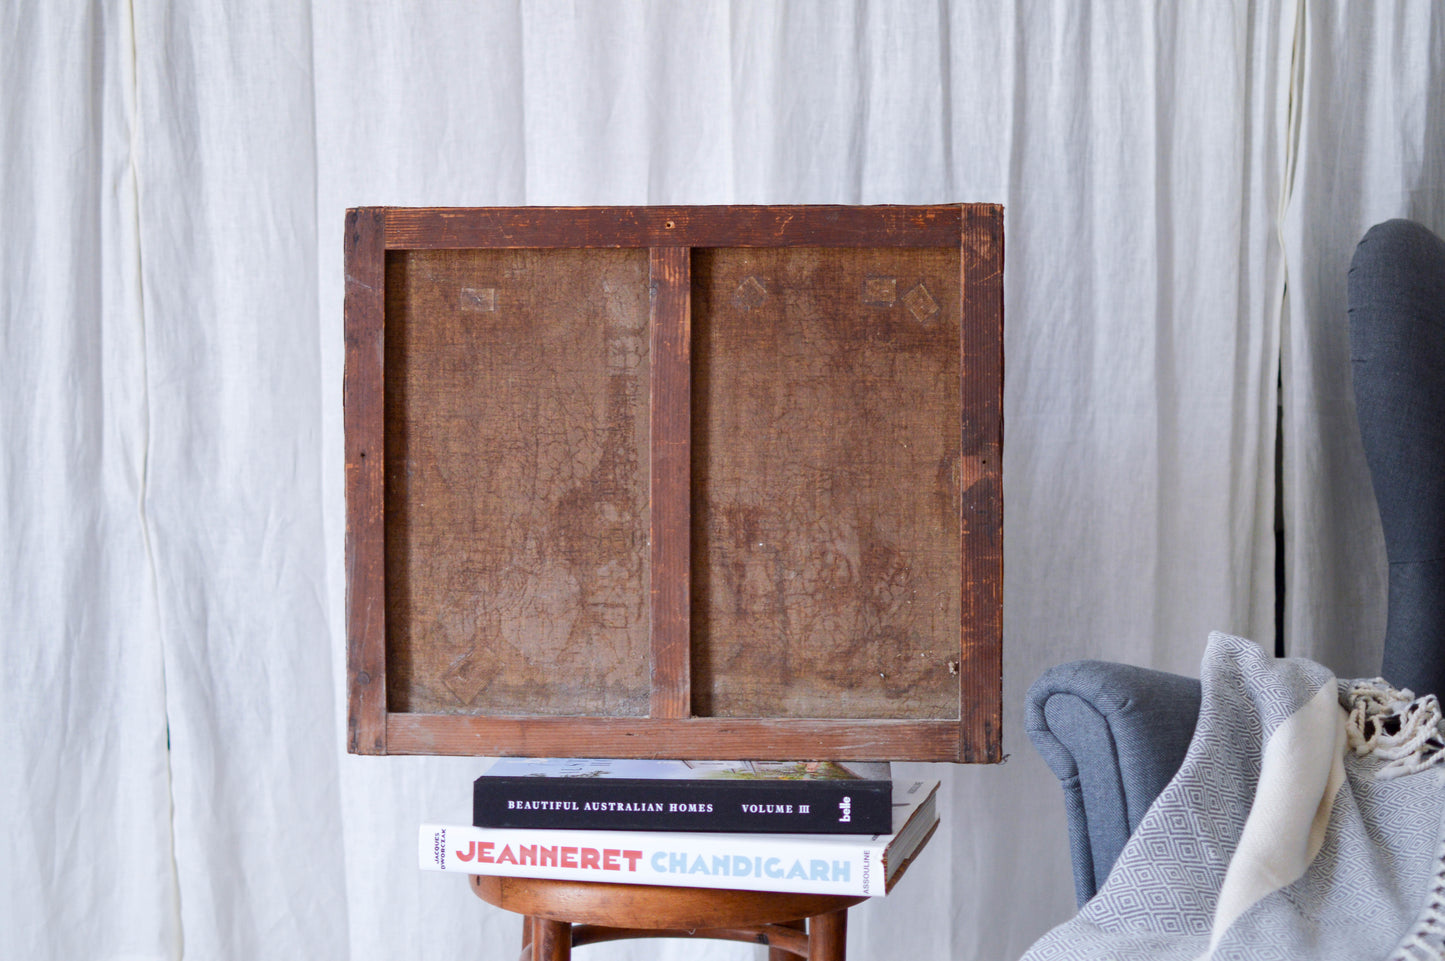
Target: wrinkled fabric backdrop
(1184,185)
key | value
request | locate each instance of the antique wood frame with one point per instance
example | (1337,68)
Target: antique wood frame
(671,236)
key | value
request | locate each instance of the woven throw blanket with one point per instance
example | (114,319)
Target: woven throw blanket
(1305,823)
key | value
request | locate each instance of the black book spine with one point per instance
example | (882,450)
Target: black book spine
(617,804)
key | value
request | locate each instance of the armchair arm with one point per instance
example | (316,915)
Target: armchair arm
(1114,735)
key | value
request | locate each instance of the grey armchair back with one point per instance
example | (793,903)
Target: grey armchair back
(1115,734)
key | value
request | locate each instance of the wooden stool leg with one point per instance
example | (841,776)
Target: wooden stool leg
(828,936)
(778,954)
(551,940)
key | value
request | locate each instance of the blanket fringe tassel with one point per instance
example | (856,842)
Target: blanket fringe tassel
(1394,725)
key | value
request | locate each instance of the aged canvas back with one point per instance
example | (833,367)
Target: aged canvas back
(675,482)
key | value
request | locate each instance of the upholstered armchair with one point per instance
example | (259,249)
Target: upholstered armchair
(1113,734)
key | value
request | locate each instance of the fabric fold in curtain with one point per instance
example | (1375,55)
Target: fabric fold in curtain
(228,241)
(85,809)
(174,177)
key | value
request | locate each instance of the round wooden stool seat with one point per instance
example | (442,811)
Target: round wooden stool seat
(561,915)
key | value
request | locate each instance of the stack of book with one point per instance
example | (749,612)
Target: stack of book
(818,828)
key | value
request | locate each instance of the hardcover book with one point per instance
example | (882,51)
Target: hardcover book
(815,797)
(805,863)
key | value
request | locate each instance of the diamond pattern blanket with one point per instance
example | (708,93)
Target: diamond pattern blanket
(1305,823)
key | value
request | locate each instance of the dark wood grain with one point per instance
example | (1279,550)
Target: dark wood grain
(551,940)
(670,454)
(785,941)
(735,226)
(694,738)
(981,505)
(651,906)
(828,936)
(778,950)
(365,537)
(559,915)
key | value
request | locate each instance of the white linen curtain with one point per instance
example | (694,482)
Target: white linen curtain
(1183,183)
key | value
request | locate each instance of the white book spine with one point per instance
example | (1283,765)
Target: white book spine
(796,863)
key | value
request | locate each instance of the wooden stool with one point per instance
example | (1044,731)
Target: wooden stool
(561,915)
